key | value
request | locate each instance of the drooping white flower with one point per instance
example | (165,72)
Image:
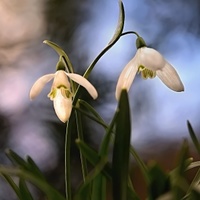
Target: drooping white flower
(61,93)
(149,63)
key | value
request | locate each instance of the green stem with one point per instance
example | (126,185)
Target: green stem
(80,136)
(114,39)
(67,158)
(130,32)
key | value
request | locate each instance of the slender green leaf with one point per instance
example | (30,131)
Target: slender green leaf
(92,110)
(158,180)
(61,53)
(140,163)
(16,159)
(178,179)
(120,165)
(195,182)
(12,184)
(104,148)
(193,165)
(90,116)
(195,194)
(193,137)
(34,168)
(92,175)
(25,193)
(50,191)
(120,25)
(93,157)
(99,188)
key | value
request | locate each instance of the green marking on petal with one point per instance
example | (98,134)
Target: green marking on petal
(66,93)
(52,94)
(146,73)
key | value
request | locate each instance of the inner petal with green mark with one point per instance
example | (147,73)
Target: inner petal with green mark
(146,73)
(66,93)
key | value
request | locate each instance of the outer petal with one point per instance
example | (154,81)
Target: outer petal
(170,78)
(85,83)
(126,77)
(39,85)
(150,58)
(62,106)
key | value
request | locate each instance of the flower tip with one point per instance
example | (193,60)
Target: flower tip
(45,41)
(94,94)
(181,89)
(64,120)
(32,94)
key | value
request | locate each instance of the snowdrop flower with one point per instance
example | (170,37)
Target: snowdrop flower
(149,63)
(61,93)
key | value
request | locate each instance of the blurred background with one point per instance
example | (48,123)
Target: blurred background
(83,29)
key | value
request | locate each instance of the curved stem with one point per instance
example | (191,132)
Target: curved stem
(114,39)
(130,32)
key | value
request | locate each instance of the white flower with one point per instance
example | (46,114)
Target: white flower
(61,93)
(150,63)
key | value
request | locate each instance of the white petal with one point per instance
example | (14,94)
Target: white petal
(62,106)
(39,85)
(85,83)
(126,77)
(150,58)
(170,78)
(60,79)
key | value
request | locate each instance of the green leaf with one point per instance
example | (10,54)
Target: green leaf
(178,179)
(120,164)
(91,176)
(34,168)
(61,53)
(141,164)
(25,193)
(193,137)
(90,116)
(91,110)
(12,184)
(120,25)
(195,194)
(104,148)
(158,180)
(92,156)
(99,188)
(50,191)
(195,182)
(16,159)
